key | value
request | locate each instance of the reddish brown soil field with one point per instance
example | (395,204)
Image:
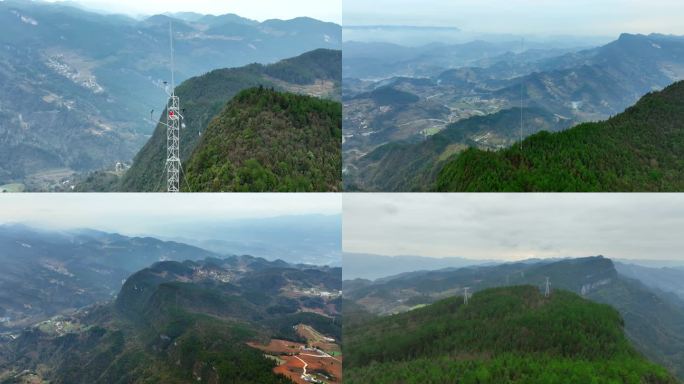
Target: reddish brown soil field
(292,369)
(328,365)
(293,365)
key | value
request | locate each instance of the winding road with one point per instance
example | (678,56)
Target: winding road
(305,365)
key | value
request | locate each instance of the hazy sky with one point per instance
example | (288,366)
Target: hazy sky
(541,17)
(327,10)
(515,226)
(147,213)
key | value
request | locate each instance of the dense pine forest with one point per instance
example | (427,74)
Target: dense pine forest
(641,149)
(204,97)
(266,140)
(503,335)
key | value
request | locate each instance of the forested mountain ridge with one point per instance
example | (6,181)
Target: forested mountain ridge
(316,73)
(266,140)
(641,149)
(180,323)
(503,335)
(654,320)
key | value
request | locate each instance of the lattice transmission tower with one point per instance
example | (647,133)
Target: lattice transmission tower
(173,120)
(547,291)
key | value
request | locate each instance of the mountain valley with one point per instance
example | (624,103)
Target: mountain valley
(78,86)
(47,273)
(177,322)
(479,106)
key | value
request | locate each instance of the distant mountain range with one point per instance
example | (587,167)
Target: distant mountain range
(79,86)
(371,267)
(653,318)
(665,279)
(400,26)
(653,263)
(47,272)
(383,60)
(288,238)
(424,121)
(181,322)
(506,334)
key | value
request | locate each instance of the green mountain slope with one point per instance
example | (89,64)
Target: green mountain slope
(654,321)
(413,166)
(316,73)
(316,65)
(504,335)
(178,323)
(266,140)
(640,149)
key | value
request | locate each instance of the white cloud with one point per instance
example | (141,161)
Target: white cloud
(515,226)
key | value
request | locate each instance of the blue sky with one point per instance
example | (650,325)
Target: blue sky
(529,17)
